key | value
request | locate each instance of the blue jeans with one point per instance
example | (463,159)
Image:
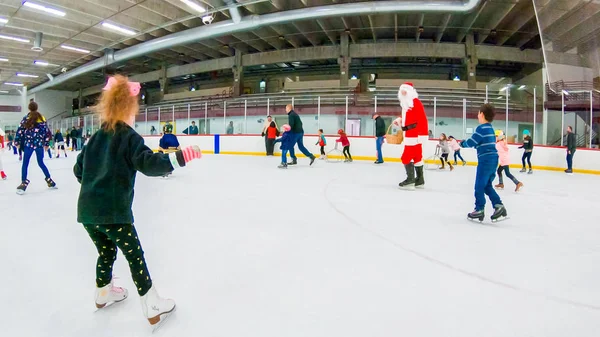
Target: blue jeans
(486,172)
(284,156)
(39,153)
(378,144)
(299,139)
(570,160)
(457,154)
(79,141)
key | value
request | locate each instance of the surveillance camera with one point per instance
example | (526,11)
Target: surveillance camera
(208,19)
(63,70)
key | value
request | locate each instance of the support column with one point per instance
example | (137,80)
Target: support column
(238,74)
(80,101)
(344,60)
(163,81)
(471,61)
(364,81)
(24,102)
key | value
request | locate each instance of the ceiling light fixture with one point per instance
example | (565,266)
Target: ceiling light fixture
(41,63)
(12,38)
(3,92)
(14,84)
(79,50)
(3,20)
(27,75)
(3,59)
(44,8)
(119,29)
(194,5)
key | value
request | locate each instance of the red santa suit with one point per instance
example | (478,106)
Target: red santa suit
(414,123)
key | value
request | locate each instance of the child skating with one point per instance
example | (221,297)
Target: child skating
(60,144)
(484,140)
(322,142)
(527,151)
(106,169)
(33,137)
(456,148)
(504,158)
(443,145)
(287,143)
(346,144)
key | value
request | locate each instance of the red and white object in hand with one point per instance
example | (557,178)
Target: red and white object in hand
(191,152)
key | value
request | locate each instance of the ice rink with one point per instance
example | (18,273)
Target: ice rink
(333,250)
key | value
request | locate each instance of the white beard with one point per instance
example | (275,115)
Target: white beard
(406,103)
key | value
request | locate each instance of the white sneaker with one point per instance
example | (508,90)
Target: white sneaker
(154,306)
(109,294)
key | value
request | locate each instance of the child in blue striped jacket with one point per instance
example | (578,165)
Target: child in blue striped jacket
(484,140)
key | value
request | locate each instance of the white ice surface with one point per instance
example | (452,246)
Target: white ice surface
(335,250)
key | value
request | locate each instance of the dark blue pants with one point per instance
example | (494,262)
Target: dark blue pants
(284,156)
(39,153)
(508,174)
(486,172)
(378,144)
(457,154)
(299,139)
(526,155)
(570,160)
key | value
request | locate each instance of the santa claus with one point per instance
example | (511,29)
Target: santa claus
(416,132)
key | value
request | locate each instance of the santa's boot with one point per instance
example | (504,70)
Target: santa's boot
(420,182)
(409,183)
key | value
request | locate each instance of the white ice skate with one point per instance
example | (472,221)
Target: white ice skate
(109,295)
(155,308)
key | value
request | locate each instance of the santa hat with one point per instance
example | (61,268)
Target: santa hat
(410,90)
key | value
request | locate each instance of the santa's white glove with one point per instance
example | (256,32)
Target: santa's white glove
(397,122)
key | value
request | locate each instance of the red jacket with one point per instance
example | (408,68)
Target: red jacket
(415,115)
(344,140)
(271,132)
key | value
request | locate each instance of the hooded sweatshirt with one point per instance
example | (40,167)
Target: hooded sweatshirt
(503,155)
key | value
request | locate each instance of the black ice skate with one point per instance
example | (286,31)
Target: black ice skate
(283,166)
(51,183)
(499,213)
(312,160)
(530,171)
(23,187)
(523,170)
(476,215)
(294,162)
(420,181)
(409,183)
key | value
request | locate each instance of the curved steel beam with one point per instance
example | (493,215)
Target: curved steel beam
(253,22)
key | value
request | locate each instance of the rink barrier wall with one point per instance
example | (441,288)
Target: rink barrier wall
(548,158)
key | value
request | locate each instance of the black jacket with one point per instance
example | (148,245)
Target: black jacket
(106,170)
(380,130)
(527,144)
(295,122)
(571,142)
(73,134)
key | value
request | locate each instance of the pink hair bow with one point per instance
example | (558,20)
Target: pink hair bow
(134,87)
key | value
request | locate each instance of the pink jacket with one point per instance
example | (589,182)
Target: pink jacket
(454,145)
(502,148)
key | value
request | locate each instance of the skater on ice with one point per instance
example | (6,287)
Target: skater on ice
(322,142)
(346,144)
(504,158)
(287,143)
(443,145)
(33,136)
(2,135)
(484,140)
(456,148)
(527,151)
(415,127)
(106,169)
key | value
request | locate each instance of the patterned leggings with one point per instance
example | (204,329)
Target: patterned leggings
(107,238)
